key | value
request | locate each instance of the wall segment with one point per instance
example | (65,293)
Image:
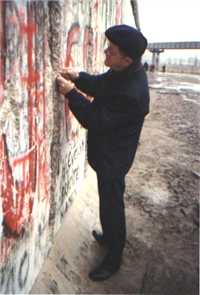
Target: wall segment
(42,146)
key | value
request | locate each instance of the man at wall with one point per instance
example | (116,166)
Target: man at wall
(114,120)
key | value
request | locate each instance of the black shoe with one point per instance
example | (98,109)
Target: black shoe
(102,273)
(99,237)
(106,269)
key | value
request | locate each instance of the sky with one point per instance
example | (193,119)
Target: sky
(170,20)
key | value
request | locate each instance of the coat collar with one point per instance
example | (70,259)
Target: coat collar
(126,73)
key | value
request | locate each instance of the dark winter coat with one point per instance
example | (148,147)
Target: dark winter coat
(114,118)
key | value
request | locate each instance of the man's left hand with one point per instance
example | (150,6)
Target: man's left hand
(64,86)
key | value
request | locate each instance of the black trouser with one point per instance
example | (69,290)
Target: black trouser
(112,213)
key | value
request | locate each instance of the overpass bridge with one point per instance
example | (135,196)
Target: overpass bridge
(173,45)
(159,47)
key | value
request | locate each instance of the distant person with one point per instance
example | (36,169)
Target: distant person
(152,68)
(146,66)
(114,120)
(164,68)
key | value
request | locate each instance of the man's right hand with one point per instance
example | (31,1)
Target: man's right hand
(69,74)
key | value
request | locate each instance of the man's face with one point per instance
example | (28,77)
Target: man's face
(115,59)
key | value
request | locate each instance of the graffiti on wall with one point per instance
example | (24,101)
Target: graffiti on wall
(24,172)
(26,95)
(17,274)
(23,166)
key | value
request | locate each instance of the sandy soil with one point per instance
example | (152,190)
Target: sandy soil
(161,254)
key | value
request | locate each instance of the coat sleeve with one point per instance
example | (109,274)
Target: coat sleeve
(88,83)
(100,119)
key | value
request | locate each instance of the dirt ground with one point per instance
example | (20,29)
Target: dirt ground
(162,190)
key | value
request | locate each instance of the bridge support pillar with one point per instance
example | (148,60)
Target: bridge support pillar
(155,57)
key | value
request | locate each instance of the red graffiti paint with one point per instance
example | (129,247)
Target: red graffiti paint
(36,107)
(118,12)
(32,78)
(96,5)
(12,193)
(30,167)
(72,38)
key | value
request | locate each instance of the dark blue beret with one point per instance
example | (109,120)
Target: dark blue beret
(128,39)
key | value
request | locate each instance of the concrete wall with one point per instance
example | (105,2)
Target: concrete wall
(42,147)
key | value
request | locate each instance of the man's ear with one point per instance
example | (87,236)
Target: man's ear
(128,60)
